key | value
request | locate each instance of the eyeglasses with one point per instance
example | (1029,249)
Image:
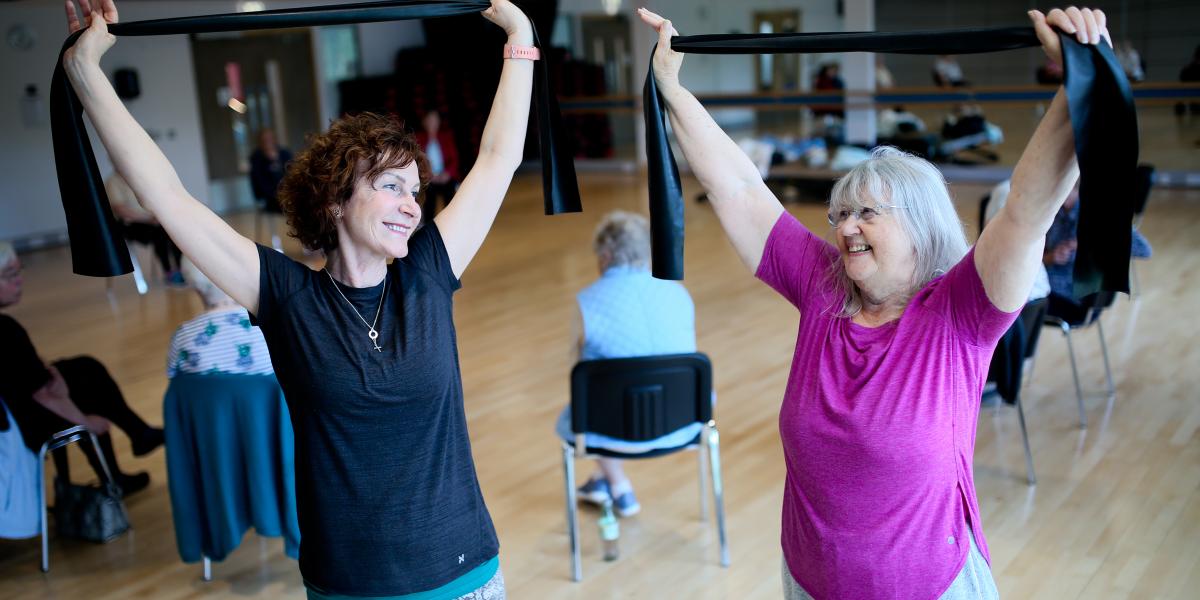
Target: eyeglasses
(865,214)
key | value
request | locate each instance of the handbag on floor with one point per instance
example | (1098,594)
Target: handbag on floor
(93,513)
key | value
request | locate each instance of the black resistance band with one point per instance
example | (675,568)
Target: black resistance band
(1102,117)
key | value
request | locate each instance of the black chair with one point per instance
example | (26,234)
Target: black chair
(1144,183)
(640,399)
(983,206)
(1018,346)
(63,439)
(1093,305)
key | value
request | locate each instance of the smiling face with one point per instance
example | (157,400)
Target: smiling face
(878,255)
(381,214)
(895,227)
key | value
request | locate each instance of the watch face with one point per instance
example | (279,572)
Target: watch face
(20,37)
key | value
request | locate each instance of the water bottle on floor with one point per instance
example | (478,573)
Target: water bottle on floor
(610,531)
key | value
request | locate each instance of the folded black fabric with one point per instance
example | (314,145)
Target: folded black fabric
(96,245)
(1102,115)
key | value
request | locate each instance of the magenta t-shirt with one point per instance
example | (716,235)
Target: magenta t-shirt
(878,428)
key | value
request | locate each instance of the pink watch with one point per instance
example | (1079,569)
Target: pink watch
(526,52)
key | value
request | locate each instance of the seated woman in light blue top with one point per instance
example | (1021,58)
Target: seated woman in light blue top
(627,313)
(218,340)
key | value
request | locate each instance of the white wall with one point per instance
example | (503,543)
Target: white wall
(30,205)
(29,201)
(378,43)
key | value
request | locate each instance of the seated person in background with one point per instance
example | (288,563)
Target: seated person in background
(438,144)
(1190,74)
(966,135)
(46,399)
(142,227)
(828,78)
(218,340)
(1059,258)
(947,73)
(626,313)
(268,163)
(898,120)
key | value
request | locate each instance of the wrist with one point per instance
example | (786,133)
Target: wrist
(670,88)
(521,36)
(79,70)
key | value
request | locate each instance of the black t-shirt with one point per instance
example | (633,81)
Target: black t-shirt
(22,373)
(386,491)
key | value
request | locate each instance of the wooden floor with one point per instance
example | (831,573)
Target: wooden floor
(1116,512)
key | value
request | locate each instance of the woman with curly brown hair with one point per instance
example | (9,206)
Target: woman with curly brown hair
(365,349)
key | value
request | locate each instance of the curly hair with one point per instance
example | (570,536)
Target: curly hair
(324,174)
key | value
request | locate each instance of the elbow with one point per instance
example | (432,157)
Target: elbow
(1021,215)
(499,160)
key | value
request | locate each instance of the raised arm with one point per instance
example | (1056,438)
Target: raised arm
(745,206)
(1009,250)
(466,221)
(228,258)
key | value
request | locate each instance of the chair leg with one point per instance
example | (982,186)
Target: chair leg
(1029,473)
(206,575)
(100,457)
(714,462)
(139,276)
(42,494)
(1134,286)
(1112,389)
(703,479)
(572,515)
(1066,329)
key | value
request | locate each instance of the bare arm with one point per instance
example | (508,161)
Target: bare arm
(746,208)
(1009,250)
(56,398)
(228,258)
(466,221)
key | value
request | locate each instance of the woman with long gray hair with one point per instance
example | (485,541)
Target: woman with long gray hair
(898,319)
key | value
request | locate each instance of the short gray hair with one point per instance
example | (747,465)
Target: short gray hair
(210,294)
(7,253)
(894,177)
(624,239)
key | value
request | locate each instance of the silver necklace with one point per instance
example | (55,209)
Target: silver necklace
(371,331)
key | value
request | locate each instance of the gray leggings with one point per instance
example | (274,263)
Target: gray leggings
(492,590)
(974,581)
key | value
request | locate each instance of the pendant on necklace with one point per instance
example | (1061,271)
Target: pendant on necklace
(374,335)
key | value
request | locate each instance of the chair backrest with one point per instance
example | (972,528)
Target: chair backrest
(1099,301)
(1031,319)
(983,205)
(642,398)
